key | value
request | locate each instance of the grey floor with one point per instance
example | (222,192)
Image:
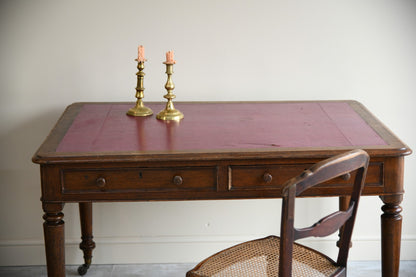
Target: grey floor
(355,269)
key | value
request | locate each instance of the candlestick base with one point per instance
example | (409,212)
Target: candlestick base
(170,114)
(140,111)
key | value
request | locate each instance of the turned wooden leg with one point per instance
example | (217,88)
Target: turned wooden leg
(87,244)
(53,228)
(391,230)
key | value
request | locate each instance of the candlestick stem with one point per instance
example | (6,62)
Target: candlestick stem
(140,109)
(169,113)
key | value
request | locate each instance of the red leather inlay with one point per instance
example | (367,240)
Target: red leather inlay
(107,128)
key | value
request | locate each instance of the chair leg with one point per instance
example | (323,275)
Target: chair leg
(87,244)
(344,202)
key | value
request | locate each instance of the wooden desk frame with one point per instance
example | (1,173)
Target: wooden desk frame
(67,177)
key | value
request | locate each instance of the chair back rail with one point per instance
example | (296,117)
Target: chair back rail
(356,160)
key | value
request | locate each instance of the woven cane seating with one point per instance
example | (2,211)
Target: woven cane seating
(262,257)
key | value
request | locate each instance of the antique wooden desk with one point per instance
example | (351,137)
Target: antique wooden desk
(218,151)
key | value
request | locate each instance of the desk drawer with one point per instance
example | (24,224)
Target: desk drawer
(274,176)
(139,179)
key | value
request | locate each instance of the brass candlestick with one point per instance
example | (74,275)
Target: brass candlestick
(169,113)
(140,109)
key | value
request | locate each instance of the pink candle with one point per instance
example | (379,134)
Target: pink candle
(140,57)
(169,58)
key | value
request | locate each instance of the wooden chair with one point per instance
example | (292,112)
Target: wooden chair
(274,256)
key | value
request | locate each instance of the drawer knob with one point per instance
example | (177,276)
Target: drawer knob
(346,176)
(177,180)
(267,177)
(100,182)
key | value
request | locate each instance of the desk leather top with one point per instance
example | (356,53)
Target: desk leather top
(106,127)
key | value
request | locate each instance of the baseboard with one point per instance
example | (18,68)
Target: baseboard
(173,249)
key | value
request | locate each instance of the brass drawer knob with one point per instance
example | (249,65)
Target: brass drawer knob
(267,177)
(177,180)
(100,182)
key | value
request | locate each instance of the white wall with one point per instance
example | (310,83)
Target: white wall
(53,53)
